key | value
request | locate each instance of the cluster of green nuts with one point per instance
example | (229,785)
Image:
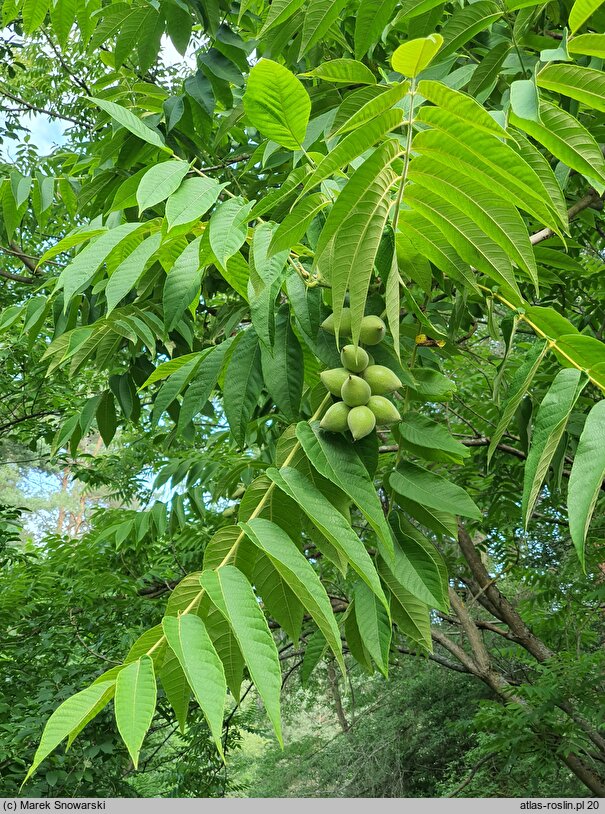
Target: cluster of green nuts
(360,383)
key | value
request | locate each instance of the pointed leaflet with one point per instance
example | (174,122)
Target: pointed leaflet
(414,56)
(365,105)
(374,626)
(564,136)
(431,490)
(127,274)
(334,458)
(159,182)
(134,703)
(293,227)
(319,16)
(283,366)
(190,642)
(131,122)
(228,228)
(468,239)
(203,383)
(489,161)
(67,717)
(581,11)
(518,388)
(584,84)
(430,440)
(332,524)
(314,651)
(586,478)
(409,613)
(277,104)
(465,23)
(371,18)
(232,594)
(550,423)
(355,249)
(345,71)
(498,219)
(300,576)
(182,284)
(362,183)
(243,383)
(192,199)
(353,145)
(83,267)
(462,106)
(418,566)
(175,684)
(354,643)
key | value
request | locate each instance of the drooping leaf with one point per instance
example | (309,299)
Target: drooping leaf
(337,461)
(518,389)
(131,122)
(586,478)
(243,383)
(232,594)
(182,284)
(299,574)
(431,490)
(135,703)
(549,426)
(374,625)
(190,642)
(332,524)
(67,717)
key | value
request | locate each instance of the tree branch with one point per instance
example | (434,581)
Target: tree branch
(592,197)
(43,110)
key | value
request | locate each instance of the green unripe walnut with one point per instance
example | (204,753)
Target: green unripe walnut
(361,421)
(334,379)
(384,410)
(335,419)
(354,359)
(372,330)
(355,392)
(345,323)
(381,379)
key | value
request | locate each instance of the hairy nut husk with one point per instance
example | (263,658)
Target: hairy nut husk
(355,392)
(335,419)
(361,421)
(372,330)
(384,410)
(381,379)
(345,323)
(354,359)
(334,379)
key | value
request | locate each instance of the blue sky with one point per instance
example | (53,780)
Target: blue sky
(46,133)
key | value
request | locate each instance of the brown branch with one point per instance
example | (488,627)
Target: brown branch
(17,278)
(470,775)
(43,110)
(591,198)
